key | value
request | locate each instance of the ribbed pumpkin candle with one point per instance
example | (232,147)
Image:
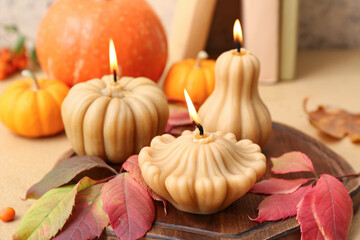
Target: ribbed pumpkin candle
(201,172)
(235,105)
(114,118)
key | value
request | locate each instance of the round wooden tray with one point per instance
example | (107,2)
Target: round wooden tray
(233,222)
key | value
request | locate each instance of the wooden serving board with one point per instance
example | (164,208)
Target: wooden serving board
(233,222)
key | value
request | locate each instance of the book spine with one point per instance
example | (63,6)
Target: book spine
(288,38)
(261,20)
(190,28)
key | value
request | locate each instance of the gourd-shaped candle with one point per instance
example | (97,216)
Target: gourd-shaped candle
(235,105)
(201,172)
(114,118)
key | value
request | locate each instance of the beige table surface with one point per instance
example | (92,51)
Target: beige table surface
(328,77)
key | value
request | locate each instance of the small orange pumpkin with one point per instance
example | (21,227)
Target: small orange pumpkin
(196,76)
(31,107)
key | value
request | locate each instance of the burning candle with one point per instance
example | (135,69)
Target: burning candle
(114,118)
(114,67)
(193,114)
(201,173)
(235,105)
(237,33)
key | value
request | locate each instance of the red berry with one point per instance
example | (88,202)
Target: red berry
(7,214)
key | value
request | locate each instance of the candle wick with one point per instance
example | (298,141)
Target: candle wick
(238,45)
(201,129)
(115,79)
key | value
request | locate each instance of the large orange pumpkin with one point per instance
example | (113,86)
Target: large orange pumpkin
(73,39)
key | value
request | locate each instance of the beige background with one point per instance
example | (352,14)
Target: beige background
(322,23)
(329,24)
(26,14)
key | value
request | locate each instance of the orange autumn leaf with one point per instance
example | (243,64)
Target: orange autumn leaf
(337,123)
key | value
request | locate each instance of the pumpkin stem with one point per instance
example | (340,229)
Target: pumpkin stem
(201,55)
(28,73)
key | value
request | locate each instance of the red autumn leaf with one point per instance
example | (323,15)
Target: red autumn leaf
(280,206)
(178,119)
(132,166)
(278,186)
(64,171)
(292,162)
(337,123)
(178,115)
(305,216)
(328,209)
(130,208)
(88,219)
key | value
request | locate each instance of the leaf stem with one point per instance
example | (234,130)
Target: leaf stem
(349,176)
(107,179)
(316,175)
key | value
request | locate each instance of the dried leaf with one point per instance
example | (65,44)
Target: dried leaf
(130,208)
(337,123)
(280,206)
(132,166)
(88,219)
(327,210)
(292,162)
(178,119)
(49,214)
(278,186)
(64,171)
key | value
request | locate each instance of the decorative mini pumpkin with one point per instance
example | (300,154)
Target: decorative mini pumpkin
(73,36)
(201,174)
(196,76)
(114,120)
(235,105)
(31,107)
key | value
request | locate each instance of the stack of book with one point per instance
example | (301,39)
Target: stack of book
(270,32)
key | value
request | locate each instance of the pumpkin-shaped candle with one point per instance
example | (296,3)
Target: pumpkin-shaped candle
(201,172)
(235,105)
(114,118)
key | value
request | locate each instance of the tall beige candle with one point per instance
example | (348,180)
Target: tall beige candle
(235,105)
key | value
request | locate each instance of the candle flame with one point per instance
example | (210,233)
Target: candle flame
(192,111)
(113,61)
(237,32)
